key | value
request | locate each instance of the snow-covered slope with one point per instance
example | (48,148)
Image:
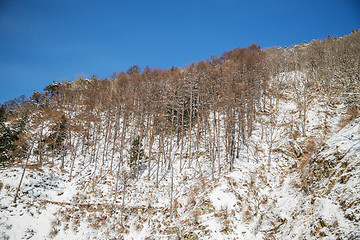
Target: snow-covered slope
(295,178)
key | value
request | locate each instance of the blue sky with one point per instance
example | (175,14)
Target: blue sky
(42,41)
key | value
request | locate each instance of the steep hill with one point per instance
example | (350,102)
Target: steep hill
(255,144)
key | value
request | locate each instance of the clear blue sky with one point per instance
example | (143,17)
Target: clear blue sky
(42,41)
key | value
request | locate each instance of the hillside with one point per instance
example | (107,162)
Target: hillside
(254,144)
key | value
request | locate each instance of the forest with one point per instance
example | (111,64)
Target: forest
(151,124)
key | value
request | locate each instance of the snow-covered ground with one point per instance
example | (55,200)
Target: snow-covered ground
(292,193)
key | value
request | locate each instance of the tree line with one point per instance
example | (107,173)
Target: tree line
(174,113)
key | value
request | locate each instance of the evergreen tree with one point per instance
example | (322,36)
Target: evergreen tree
(9,135)
(136,153)
(58,135)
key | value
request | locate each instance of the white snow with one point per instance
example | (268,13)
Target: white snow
(252,201)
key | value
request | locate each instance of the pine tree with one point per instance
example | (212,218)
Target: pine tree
(136,154)
(58,135)
(9,136)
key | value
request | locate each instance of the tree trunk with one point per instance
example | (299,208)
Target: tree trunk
(123,133)
(23,173)
(116,129)
(190,129)
(150,152)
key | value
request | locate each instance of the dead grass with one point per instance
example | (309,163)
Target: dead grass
(248,215)
(352,113)
(53,232)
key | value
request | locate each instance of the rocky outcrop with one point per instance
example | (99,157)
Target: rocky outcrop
(335,176)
